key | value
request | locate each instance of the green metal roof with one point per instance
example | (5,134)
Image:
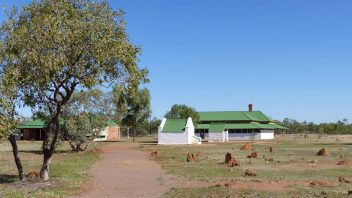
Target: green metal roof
(174,125)
(36,124)
(264,126)
(217,127)
(111,123)
(242,126)
(278,126)
(257,116)
(203,126)
(39,124)
(220,127)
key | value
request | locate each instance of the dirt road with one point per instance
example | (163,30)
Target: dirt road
(124,171)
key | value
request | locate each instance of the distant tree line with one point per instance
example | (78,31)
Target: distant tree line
(339,127)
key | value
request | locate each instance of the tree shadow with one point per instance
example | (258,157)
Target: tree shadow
(346,144)
(6,179)
(41,152)
(32,152)
(152,142)
(63,151)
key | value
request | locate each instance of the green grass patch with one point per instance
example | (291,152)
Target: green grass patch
(68,172)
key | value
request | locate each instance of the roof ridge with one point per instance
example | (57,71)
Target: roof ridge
(245,115)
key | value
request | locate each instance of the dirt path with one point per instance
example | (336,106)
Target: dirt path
(124,171)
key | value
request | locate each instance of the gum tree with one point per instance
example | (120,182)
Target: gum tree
(8,116)
(133,108)
(85,116)
(178,111)
(59,46)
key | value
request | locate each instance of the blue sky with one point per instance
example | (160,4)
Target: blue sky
(288,58)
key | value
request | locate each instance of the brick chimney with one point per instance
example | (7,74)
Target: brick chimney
(250,107)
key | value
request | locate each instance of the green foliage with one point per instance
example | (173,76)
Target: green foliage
(149,127)
(138,108)
(182,112)
(85,116)
(54,46)
(339,127)
(119,96)
(152,125)
(132,107)
(8,103)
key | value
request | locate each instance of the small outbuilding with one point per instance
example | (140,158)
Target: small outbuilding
(177,131)
(35,130)
(110,133)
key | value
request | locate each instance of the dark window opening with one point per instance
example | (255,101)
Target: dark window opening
(234,131)
(201,131)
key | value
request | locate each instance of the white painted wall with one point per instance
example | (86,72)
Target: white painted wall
(189,129)
(216,137)
(269,134)
(244,136)
(102,133)
(172,138)
(206,135)
(225,136)
(187,137)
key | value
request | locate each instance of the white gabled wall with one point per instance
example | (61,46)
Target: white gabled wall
(189,129)
(162,124)
(170,137)
(187,137)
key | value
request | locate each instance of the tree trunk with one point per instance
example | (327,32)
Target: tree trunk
(44,172)
(73,148)
(134,134)
(78,147)
(49,147)
(13,142)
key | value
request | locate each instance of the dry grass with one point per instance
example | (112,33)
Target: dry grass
(67,171)
(294,162)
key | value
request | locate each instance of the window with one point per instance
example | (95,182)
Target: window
(201,131)
(234,130)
